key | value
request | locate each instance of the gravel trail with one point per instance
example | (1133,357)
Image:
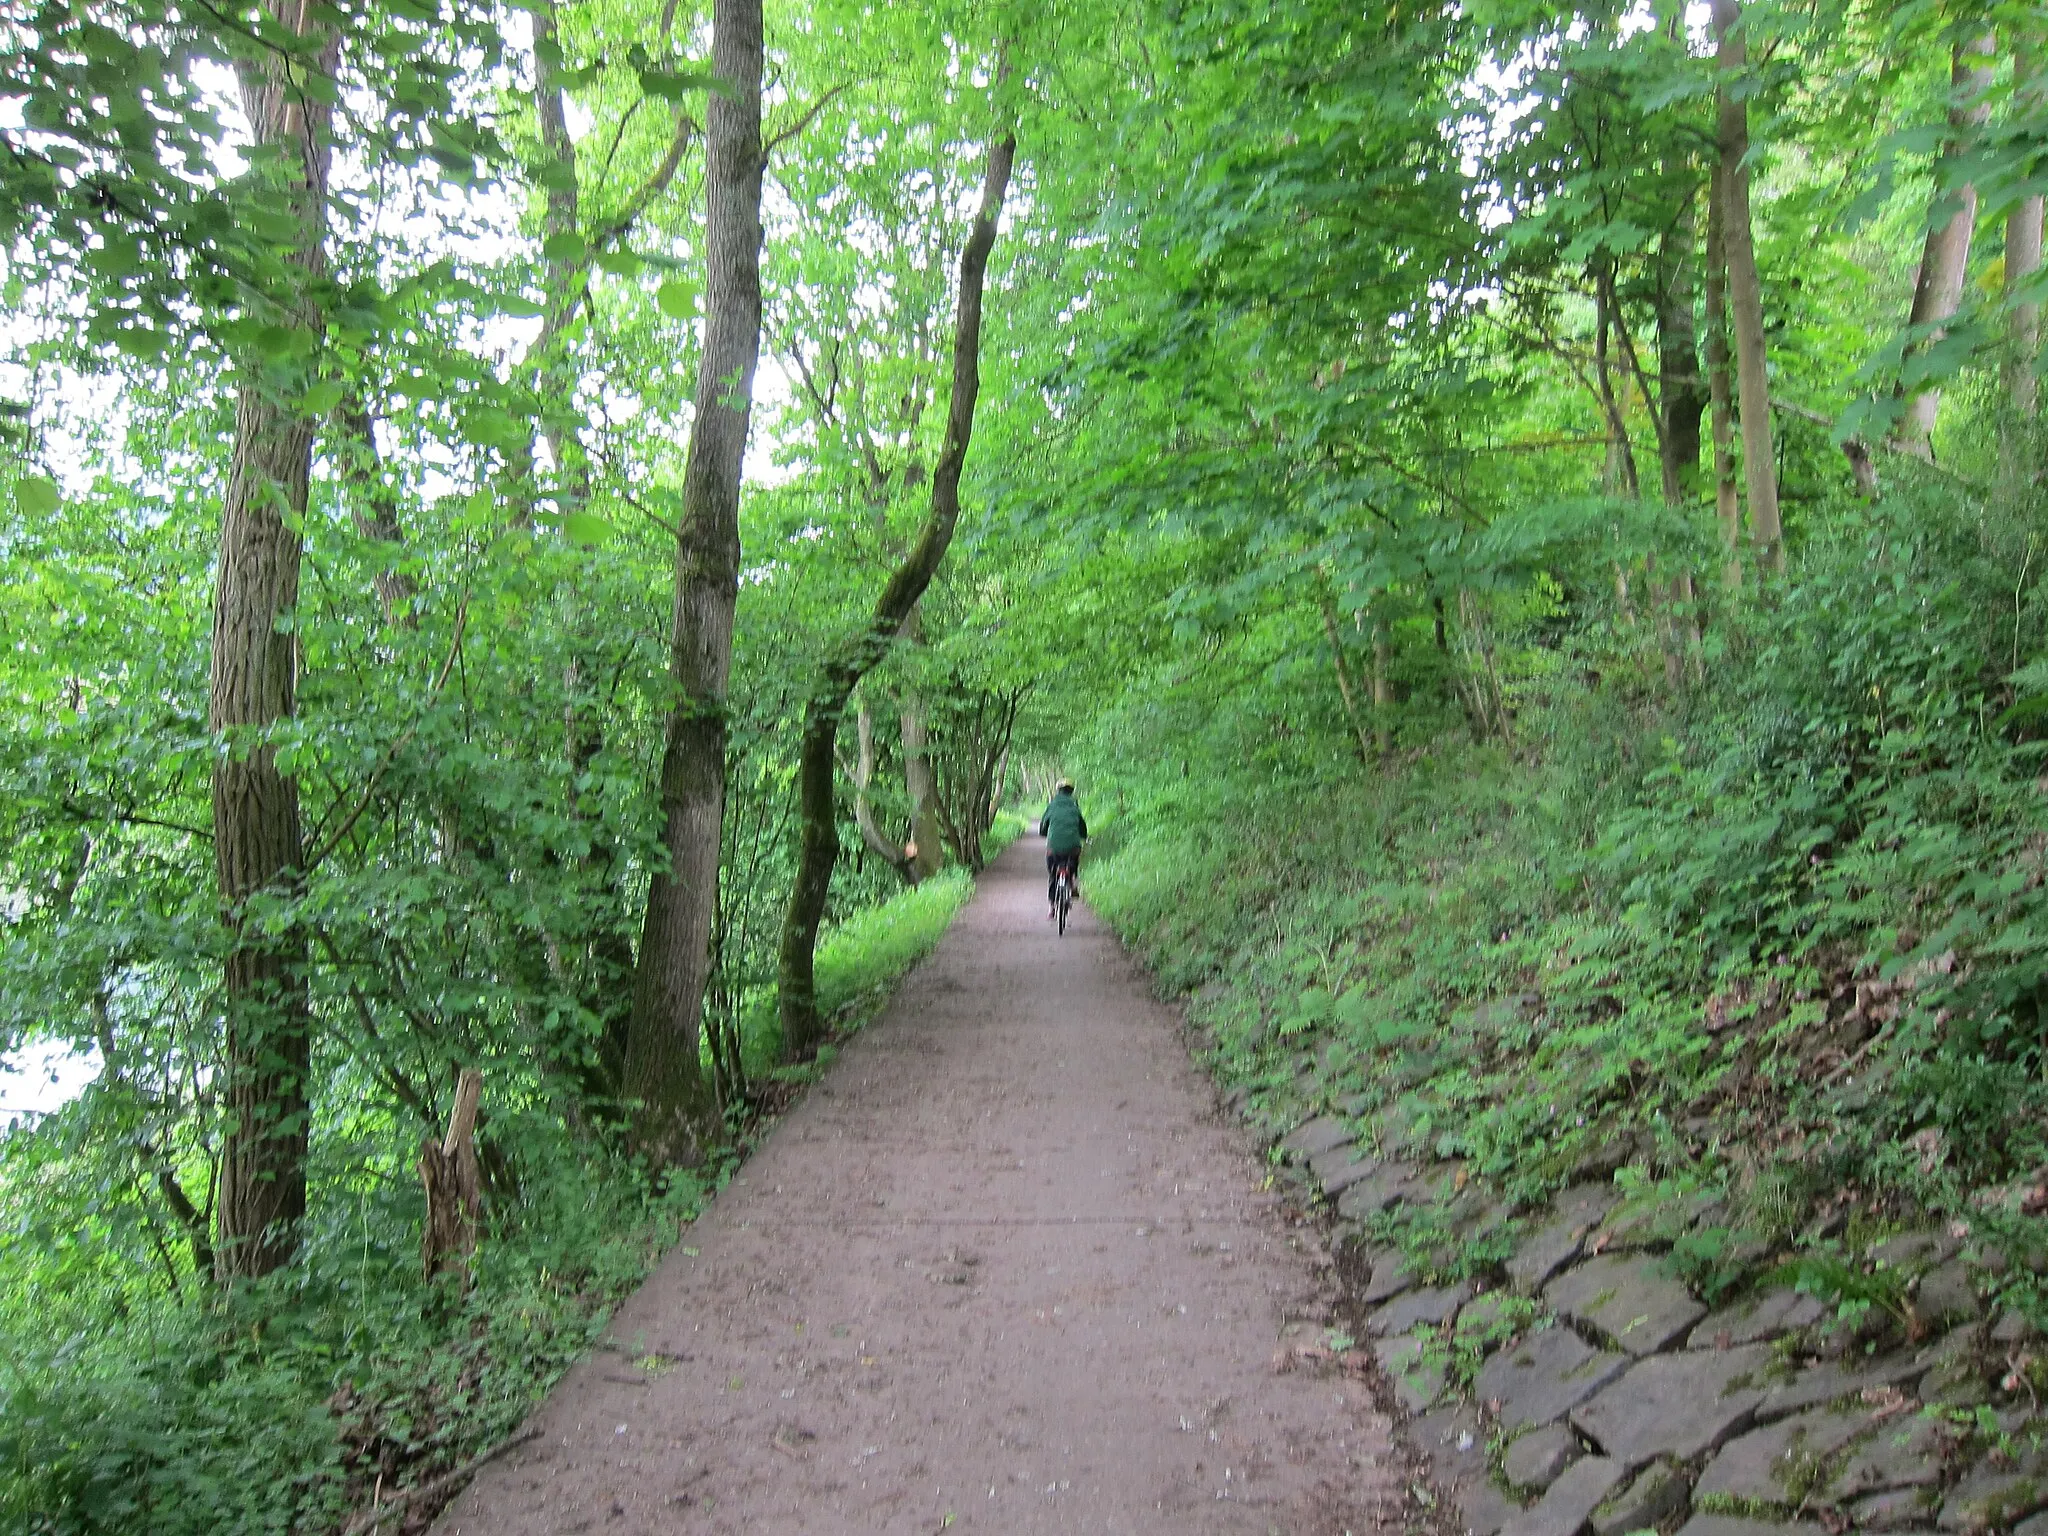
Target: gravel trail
(1006,1269)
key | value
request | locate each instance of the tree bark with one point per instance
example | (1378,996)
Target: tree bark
(1622,479)
(863,809)
(803,1027)
(1727,505)
(375,508)
(1345,691)
(2023,249)
(1678,360)
(257,837)
(1945,257)
(454,1185)
(925,836)
(1382,685)
(676,1116)
(1745,289)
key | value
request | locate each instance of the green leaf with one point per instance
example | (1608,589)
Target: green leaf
(566,247)
(677,298)
(677,85)
(323,397)
(37,496)
(586,528)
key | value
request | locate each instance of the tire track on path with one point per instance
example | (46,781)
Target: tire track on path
(1005,1265)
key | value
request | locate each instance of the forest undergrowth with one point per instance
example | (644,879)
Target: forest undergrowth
(288,1404)
(1769,944)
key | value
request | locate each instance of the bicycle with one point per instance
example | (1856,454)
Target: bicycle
(1063,897)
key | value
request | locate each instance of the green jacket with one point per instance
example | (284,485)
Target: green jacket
(1063,826)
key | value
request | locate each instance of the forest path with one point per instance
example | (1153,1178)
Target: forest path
(1005,1269)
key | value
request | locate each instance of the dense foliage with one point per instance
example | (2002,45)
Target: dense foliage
(1529,519)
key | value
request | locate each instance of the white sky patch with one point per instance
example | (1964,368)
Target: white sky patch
(40,1079)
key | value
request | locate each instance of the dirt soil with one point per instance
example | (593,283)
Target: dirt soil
(1006,1269)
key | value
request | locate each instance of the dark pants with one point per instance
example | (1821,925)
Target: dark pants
(1054,863)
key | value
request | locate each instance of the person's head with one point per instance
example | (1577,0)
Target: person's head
(1066,786)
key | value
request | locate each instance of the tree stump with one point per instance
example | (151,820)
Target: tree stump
(454,1185)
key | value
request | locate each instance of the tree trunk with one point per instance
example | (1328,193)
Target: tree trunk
(2023,249)
(454,1185)
(1745,291)
(925,836)
(1678,361)
(254,685)
(664,1072)
(375,509)
(1382,685)
(1945,257)
(871,833)
(1727,506)
(1622,479)
(803,1027)
(1345,691)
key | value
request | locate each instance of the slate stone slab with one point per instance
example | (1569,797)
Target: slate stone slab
(1453,1441)
(1955,1376)
(1832,1381)
(1418,1375)
(1913,1252)
(1322,1134)
(1904,1509)
(1905,1452)
(1558,1241)
(1386,1186)
(1681,1405)
(1484,1322)
(1651,1220)
(1770,1316)
(2011,1328)
(2036,1525)
(1629,1300)
(1570,1501)
(1991,1497)
(1483,1510)
(1544,1376)
(1735,1525)
(1532,1463)
(1435,1306)
(1946,1295)
(1341,1167)
(1392,1273)
(1773,1465)
(1657,1493)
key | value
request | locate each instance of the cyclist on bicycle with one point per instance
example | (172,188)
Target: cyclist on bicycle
(1064,829)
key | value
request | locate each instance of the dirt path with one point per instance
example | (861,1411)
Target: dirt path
(1004,1270)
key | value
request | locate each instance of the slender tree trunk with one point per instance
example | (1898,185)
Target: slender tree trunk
(1382,685)
(1622,479)
(1678,362)
(664,1072)
(863,808)
(803,1027)
(374,511)
(2023,248)
(1727,505)
(257,838)
(925,835)
(1745,290)
(1335,635)
(1945,257)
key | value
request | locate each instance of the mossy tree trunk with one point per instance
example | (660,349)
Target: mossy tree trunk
(818,843)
